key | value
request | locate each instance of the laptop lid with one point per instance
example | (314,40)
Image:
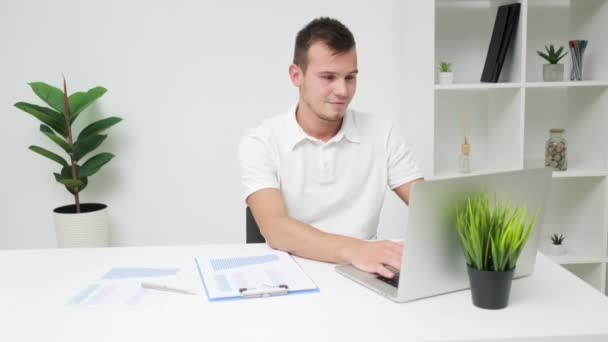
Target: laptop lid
(433,262)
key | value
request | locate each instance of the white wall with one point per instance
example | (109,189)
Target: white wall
(188,78)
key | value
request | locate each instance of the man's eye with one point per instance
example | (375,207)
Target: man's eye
(350,78)
(328,77)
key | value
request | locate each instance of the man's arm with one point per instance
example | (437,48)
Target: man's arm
(290,235)
(403,191)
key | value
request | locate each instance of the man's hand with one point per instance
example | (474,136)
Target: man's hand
(374,256)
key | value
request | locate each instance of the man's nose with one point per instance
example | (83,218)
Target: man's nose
(340,87)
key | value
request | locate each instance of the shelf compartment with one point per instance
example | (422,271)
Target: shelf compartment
(581,112)
(558,21)
(495,130)
(455,20)
(575,208)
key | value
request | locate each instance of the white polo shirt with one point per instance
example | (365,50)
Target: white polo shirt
(338,186)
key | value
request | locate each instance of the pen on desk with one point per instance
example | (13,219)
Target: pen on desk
(162,287)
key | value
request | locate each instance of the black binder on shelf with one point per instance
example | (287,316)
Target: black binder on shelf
(505,28)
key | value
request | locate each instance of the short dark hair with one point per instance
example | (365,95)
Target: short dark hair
(327,30)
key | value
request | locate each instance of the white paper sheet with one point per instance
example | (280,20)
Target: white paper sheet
(225,276)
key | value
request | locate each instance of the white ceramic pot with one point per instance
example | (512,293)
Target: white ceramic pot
(89,228)
(557,249)
(553,72)
(446,77)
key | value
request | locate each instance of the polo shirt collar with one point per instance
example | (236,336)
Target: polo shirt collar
(296,134)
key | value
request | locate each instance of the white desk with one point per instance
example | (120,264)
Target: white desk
(36,285)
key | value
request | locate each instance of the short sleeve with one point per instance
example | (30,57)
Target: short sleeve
(258,169)
(401,165)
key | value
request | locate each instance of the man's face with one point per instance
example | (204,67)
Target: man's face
(329,82)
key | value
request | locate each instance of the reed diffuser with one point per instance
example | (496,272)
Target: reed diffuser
(464,163)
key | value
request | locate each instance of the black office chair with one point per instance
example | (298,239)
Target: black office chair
(253,231)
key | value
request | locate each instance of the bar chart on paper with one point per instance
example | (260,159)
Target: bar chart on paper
(121,286)
(229,263)
(227,277)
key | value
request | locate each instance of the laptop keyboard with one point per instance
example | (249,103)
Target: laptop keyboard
(394,281)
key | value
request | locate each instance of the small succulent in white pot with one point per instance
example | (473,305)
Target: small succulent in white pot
(557,247)
(553,71)
(446,75)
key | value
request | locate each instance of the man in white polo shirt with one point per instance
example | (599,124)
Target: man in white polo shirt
(315,177)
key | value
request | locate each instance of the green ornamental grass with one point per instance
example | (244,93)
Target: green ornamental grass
(492,238)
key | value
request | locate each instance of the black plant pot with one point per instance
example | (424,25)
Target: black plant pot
(489,289)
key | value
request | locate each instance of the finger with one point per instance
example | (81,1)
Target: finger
(383,271)
(394,263)
(393,259)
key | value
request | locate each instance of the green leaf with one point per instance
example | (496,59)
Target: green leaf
(95,163)
(492,238)
(66,174)
(81,100)
(58,140)
(98,127)
(49,154)
(46,115)
(51,95)
(86,145)
(71,183)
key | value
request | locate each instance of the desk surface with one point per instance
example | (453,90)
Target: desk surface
(36,285)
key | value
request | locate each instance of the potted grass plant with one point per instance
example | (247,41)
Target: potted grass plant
(78,224)
(492,238)
(553,71)
(446,75)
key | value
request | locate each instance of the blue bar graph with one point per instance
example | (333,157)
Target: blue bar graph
(229,263)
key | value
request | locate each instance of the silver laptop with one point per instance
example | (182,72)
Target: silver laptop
(433,262)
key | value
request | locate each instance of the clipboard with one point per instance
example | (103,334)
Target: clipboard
(254,275)
(253,292)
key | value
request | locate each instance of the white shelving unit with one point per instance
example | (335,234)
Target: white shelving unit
(510,120)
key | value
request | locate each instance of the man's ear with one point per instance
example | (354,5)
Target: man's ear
(296,74)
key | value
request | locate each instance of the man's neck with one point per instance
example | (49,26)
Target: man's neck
(314,126)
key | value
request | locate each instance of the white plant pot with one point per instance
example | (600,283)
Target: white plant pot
(90,228)
(553,72)
(557,249)
(446,77)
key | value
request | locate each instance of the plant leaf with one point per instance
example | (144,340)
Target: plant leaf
(71,183)
(50,95)
(93,165)
(49,154)
(98,127)
(66,173)
(58,140)
(81,100)
(86,145)
(46,115)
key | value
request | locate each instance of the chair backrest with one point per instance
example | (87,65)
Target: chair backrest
(253,231)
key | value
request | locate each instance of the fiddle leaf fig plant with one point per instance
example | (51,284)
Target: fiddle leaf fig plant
(56,124)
